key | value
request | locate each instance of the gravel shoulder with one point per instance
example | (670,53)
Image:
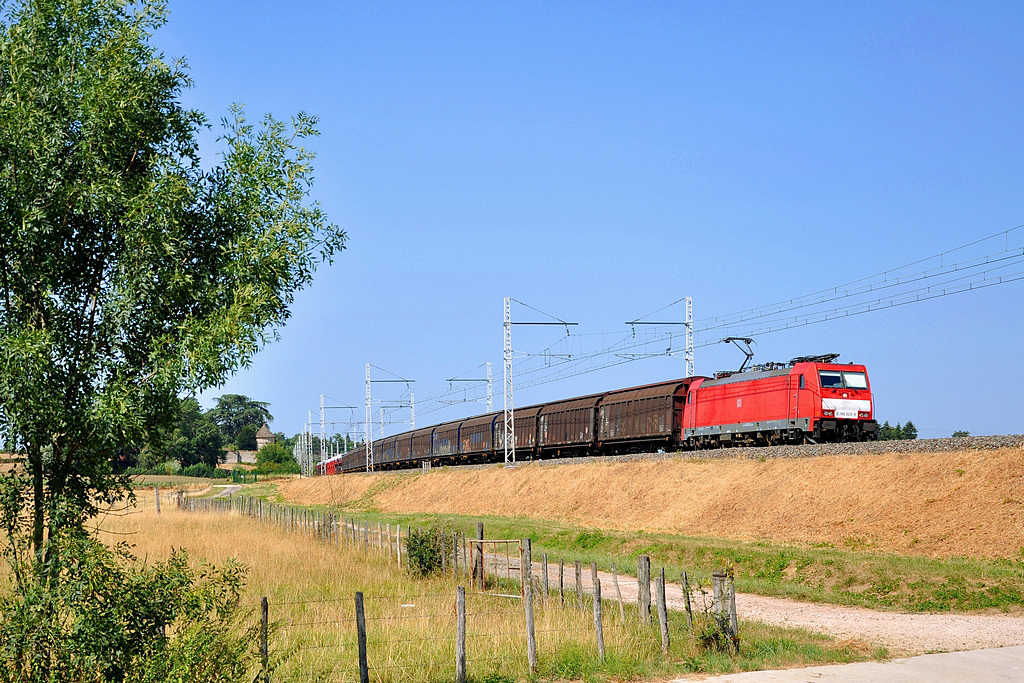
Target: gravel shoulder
(902,633)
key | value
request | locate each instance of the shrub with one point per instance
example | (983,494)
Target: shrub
(710,636)
(198,470)
(424,548)
(100,618)
(275,458)
(203,470)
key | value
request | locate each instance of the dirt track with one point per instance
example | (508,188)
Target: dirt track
(901,633)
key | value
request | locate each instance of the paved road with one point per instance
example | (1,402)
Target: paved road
(992,665)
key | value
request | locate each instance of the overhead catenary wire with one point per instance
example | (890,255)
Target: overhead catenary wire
(890,288)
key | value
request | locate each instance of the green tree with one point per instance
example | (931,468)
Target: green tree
(887,432)
(960,433)
(287,442)
(129,275)
(274,457)
(233,412)
(246,439)
(196,438)
(908,431)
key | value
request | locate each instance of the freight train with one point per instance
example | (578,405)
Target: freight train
(811,399)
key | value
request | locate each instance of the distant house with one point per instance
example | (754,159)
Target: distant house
(264,436)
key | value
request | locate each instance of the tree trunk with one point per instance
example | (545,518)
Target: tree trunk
(35,460)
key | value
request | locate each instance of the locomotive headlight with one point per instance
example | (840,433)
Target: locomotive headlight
(864,414)
(828,413)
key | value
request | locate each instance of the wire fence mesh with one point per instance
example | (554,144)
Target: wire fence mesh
(410,635)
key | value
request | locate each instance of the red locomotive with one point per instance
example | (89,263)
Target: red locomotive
(808,400)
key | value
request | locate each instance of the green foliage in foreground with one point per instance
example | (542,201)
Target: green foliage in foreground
(849,575)
(101,619)
(134,272)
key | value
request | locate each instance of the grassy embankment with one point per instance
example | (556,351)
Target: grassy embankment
(909,532)
(311,585)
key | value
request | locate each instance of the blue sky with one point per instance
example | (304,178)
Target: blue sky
(598,161)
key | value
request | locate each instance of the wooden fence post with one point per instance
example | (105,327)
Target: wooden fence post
(156,492)
(579,585)
(398,533)
(717,586)
(659,591)
(598,626)
(733,622)
(460,634)
(526,564)
(364,668)
(478,561)
(531,639)
(686,597)
(264,647)
(724,591)
(618,593)
(561,581)
(455,555)
(643,593)
(544,576)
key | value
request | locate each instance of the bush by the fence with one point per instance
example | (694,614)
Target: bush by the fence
(424,548)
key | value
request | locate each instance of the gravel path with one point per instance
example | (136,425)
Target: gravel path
(227,490)
(902,633)
(899,631)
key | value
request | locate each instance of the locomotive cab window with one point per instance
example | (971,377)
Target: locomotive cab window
(855,380)
(834,379)
(830,379)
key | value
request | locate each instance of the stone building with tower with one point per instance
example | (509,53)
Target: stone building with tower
(264,436)
(247,457)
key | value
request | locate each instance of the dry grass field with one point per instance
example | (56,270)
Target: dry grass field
(311,585)
(968,503)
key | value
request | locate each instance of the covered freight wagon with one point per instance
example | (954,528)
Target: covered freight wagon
(649,416)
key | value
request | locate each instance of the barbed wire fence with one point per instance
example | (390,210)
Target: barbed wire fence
(405,636)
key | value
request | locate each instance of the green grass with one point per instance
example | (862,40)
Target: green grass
(845,575)
(831,575)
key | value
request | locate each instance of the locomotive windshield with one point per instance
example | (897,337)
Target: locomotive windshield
(855,380)
(834,379)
